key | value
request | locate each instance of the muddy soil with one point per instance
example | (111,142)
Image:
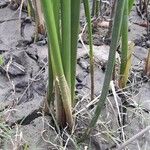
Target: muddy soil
(23,83)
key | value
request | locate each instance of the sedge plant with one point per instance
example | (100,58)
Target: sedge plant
(62,23)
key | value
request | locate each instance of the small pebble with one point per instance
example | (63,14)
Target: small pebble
(148,43)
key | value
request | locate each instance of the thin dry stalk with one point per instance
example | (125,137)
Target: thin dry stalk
(147,65)
(39,17)
(134,138)
(117,105)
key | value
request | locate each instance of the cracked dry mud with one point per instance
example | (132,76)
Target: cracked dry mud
(23,82)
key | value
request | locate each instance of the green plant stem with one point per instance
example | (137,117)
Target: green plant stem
(28,8)
(52,35)
(93,8)
(111,21)
(66,38)
(88,17)
(97,8)
(130,5)
(110,65)
(124,77)
(50,77)
(124,46)
(56,8)
(75,12)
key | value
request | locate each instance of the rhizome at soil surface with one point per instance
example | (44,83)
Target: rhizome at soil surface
(23,82)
